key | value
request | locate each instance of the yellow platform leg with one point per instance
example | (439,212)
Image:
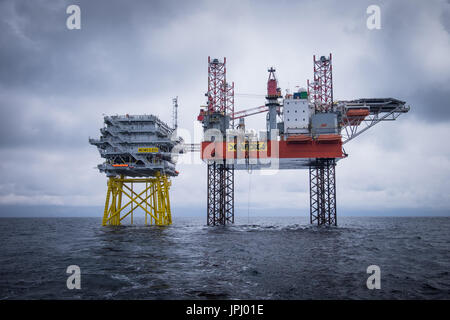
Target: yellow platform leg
(153,200)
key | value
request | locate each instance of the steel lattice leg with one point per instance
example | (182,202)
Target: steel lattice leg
(153,200)
(220,194)
(322,186)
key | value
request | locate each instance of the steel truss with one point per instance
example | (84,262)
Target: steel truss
(322,192)
(153,199)
(229,110)
(220,194)
(355,126)
(320,90)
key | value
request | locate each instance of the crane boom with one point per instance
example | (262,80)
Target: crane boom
(249,112)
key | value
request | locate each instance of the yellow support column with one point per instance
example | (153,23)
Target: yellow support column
(119,202)
(154,204)
(153,200)
(166,192)
(146,203)
(108,195)
(132,206)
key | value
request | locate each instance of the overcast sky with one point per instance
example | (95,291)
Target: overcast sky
(135,56)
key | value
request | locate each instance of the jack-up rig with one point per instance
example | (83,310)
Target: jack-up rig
(304,130)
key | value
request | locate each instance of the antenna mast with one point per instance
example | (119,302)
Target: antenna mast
(175,113)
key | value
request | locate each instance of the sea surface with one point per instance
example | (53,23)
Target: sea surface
(257,258)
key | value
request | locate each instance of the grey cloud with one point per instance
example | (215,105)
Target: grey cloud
(132,56)
(105,56)
(413,56)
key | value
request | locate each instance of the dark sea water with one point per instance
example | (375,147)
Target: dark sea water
(268,258)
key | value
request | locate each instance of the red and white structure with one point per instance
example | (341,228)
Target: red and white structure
(305,130)
(320,89)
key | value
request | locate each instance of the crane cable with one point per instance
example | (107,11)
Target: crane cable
(248,200)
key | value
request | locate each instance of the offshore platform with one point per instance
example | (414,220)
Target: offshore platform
(139,161)
(304,130)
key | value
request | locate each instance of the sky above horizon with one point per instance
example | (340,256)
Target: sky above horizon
(135,56)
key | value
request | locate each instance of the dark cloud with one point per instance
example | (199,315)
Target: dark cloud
(431,103)
(114,52)
(133,56)
(414,54)
(108,53)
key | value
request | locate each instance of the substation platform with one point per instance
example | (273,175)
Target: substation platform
(139,164)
